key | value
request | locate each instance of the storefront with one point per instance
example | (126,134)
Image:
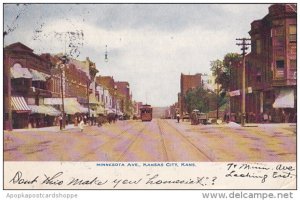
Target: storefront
(42,116)
(72,108)
(284,105)
(20,112)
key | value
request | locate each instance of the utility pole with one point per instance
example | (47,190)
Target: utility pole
(62,99)
(88,96)
(62,66)
(244,43)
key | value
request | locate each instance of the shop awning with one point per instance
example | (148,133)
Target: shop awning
(17,71)
(285,99)
(38,76)
(19,104)
(100,110)
(53,111)
(71,105)
(83,109)
(43,109)
(71,109)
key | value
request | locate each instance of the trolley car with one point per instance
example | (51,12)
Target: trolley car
(146,113)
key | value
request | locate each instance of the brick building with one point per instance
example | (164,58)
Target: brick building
(270,68)
(137,107)
(74,87)
(187,82)
(26,84)
(124,96)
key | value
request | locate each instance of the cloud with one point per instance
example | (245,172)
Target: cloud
(148,45)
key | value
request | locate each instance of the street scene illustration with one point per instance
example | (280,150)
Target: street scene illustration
(150,82)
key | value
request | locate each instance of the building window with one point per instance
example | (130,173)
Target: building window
(293,64)
(279,31)
(258,78)
(293,33)
(279,64)
(279,41)
(258,46)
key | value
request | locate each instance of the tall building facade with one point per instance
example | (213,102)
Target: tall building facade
(270,68)
(187,82)
(123,89)
(26,84)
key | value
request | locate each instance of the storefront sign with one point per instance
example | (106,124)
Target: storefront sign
(235,93)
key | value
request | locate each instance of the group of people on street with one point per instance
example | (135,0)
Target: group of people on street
(83,120)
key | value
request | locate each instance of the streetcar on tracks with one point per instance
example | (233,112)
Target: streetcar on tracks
(146,112)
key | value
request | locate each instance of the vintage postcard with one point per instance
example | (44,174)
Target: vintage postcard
(149,96)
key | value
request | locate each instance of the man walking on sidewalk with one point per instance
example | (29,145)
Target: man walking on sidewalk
(81,124)
(60,122)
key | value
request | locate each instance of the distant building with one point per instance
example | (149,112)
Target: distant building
(124,96)
(137,106)
(209,82)
(187,82)
(106,90)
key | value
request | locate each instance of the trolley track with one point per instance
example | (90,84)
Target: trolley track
(200,151)
(165,152)
(115,138)
(121,157)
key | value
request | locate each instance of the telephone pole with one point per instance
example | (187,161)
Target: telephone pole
(244,42)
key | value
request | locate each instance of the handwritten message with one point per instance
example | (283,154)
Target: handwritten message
(260,171)
(149,179)
(149,175)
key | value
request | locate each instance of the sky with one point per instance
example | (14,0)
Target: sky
(148,45)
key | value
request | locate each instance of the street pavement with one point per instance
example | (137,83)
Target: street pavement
(155,141)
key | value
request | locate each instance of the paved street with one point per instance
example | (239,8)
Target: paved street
(158,140)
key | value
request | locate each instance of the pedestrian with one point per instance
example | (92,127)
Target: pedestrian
(81,124)
(76,121)
(265,117)
(84,119)
(178,117)
(60,122)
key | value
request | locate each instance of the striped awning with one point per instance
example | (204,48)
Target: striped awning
(19,104)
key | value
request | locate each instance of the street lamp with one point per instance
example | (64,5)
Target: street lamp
(105,57)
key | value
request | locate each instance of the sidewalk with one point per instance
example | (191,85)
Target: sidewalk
(47,129)
(271,125)
(261,125)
